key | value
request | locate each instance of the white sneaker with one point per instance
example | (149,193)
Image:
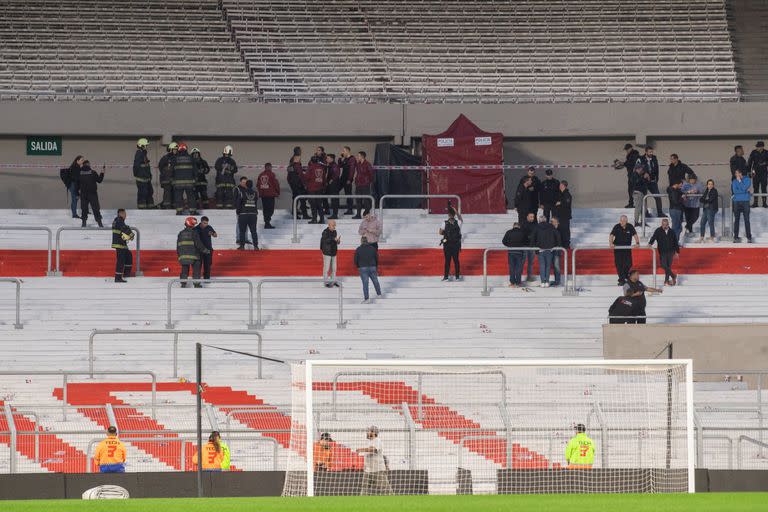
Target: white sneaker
(366,301)
(701,240)
(544,285)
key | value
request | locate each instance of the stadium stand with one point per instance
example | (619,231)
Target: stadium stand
(747,30)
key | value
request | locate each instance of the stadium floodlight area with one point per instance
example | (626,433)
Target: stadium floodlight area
(491,427)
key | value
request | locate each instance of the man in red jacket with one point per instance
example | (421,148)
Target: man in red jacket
(314,182)
(268,188)
(363,176)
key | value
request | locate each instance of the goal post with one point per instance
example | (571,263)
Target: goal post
(493,426)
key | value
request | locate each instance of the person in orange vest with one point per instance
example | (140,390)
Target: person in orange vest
(213,455)
(110,453)
(323,453)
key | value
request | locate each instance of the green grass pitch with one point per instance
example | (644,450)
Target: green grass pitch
(704,502)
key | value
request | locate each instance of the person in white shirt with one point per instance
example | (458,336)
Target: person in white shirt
(375,479)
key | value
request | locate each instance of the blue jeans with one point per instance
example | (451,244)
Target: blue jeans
(515,259)
(708,216)
(529,257)
(556,255)
(677,220)
(112,468)
(740,207)
(545,263)
(367,273)
(73,194)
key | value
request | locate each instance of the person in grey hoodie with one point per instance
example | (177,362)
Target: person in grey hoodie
(370,227)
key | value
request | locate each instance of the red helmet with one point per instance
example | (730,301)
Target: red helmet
(190,222)
(182,147)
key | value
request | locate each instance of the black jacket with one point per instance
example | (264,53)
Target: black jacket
(550,192)
(709,199)
(665,242)
(623,306)
(758,162)
(515,237)
(141,171)
(563,210)
(678,173)
(184,171)
(366,256)
(545,236)
(527,198)
(631,160)
(119,228)
(675,198)
(738,163)
(246,202)
(294,179)
(328,244)
(651,166)
(89,179)
(639,183)
(528,228)
(189,247)
(166,168)
(202,169)
(226,168)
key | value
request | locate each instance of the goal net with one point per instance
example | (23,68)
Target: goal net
(490,426)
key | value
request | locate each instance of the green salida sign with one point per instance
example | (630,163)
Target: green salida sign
(38,145)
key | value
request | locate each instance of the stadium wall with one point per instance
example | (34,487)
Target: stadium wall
(547,133)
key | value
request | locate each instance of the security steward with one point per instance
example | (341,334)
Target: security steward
(121,235)
(166,174)
(143,176)
(247,215)
(110,453)
(226,168)
(758,166)
(184,176)
(89,195)
(201,181)
(580,451)
(189,249)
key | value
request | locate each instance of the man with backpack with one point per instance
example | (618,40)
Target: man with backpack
(451,243)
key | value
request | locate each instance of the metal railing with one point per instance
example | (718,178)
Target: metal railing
(48,270)
(733,213)
(574,288)
(13,434)
(260,324)
(296,200)
(17,282)
(383,198)
(487,291)
(169,324)
(176,333)
(745,316)
(58,271)
(723,227)
(739,444)
(65,374)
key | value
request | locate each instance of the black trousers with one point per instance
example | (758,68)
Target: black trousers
(348,191)
(247,221)
(167,195)
(630,188)
(268,207)
(91,199)
(225,195)
(548,211)
(144,195)
(653,188)
(691,216)
(451,252)
(185,271)
(623,260)
(666,258)
(201,191)
(302,202)
(179,193)
(363,203)
(317,206)
(207,261)
(565,231)
(761,184)
(333,190)
(123,263)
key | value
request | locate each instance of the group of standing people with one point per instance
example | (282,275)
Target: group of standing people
(82,183)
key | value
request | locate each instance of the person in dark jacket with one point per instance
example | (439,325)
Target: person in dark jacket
(678,172)
(622,235)
(333,183)
(515,237)
(142,174)
(296,183)
(549,193)
(758,166)
(557,256)
(364,179)
(74,184)
(247,215)
(639,181)
(238,191)
(620,311)
(629,164)
(226,168)
(329,246)
(451,242)
(546,237)
(190,249)
(634,289)
(530,173)
(676,206)
(668,247)
(184,176)
(651,166)
(347,164)
(166,174)
(89,180)
(709,207)
(563,212)
(367,263)
(205,232)
(528,226)
(121,235)
(269,189)
(527,198)
(314,182)
(738,162)
(201,179)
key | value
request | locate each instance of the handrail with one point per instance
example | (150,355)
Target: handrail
(296,200)
(719,197)
(65,380)
(487,291)
(48,270)
(169,323)
(12,445)
(575,289)
(175,332)
(479,437)
(745,315)
(260,324)
(382,238)
(36,433)
(58,271)
(255,409)
(17,282)
(739,457)
(733,214)
(411,425)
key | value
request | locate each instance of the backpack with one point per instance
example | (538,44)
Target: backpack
(452,232)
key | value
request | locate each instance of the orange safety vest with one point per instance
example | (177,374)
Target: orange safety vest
(211,458)
(110,451)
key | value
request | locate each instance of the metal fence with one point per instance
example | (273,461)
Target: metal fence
(169,324)
(58,271)
(383,199)
(17,282)
(733,213)
(723,215)
(296,200)
(48,271)
(487,291)
(575,289)
(341,324)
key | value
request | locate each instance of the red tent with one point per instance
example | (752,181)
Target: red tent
(463,143)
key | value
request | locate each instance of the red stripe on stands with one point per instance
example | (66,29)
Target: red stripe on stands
(394,262)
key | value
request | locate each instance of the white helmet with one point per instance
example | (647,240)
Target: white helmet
(228,150)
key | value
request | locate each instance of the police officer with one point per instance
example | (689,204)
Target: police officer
(758,166)
(189,249)
(121,235)
(201,181)
(89,180)
(247,215)
(226,168)
(143,176)
(166,174)
(184,175)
